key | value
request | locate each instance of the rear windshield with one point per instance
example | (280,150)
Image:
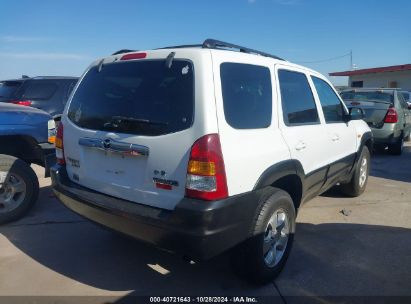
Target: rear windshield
(371,96)
(136,97)
(38,89)
(7,88)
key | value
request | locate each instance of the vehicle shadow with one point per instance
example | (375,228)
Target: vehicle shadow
(395,167)
(327,259)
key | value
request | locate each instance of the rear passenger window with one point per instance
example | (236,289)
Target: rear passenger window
(332,108)
(297,99)
(247,95)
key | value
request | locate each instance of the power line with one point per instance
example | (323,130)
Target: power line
(328,59)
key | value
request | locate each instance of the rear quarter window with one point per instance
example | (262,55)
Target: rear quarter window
(247,95)
(136,97)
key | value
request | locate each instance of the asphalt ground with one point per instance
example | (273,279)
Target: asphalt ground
(345,249)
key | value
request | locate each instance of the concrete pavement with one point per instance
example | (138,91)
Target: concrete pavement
(367,253)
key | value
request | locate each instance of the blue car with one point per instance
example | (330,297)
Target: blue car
(26,137)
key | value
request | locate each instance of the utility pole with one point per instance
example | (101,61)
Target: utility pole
(351,66)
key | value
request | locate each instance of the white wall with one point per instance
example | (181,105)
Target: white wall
(378,80)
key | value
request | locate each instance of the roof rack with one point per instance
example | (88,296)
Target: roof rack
(217,44)
(123,51)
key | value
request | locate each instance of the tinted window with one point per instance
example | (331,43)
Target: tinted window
(297,99)
(367,95)
(136,97)
(8,88)
(39,89)
(70,87)
(357,84)
(402,100)
(406,96)
(332,108)
(247,95)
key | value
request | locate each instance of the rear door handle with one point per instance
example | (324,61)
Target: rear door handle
(300,146)
(335,137)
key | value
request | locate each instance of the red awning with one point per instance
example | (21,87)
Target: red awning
(393,68)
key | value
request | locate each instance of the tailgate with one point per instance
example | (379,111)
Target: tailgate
(116,165)
(128,130)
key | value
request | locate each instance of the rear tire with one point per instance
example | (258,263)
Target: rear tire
(397,148)
(356,186)
(19,189)
(261,258)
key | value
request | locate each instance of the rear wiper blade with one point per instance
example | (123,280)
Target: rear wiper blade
(125,119)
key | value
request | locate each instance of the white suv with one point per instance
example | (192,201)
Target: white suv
(199,149)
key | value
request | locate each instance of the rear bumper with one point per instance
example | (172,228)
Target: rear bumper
(388,134)
(195,228)
(48,157)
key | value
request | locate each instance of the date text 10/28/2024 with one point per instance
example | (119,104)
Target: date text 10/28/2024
(239,299)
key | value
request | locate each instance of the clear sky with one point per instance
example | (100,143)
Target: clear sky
(51,37)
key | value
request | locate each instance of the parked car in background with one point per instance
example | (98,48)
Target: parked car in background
(386,113)
(26,137)
(407,97)
(199,150)
(8,89)
(49,93)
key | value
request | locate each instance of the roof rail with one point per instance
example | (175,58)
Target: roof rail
(217,44)
(123,51)
(180,46)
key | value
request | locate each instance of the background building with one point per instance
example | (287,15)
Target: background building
(397,76)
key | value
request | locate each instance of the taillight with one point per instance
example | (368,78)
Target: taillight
(23,102)
(206,178)
(134,56)
(391,116)
(59,145)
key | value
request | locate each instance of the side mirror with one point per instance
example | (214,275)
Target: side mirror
(356,114)
(409,105)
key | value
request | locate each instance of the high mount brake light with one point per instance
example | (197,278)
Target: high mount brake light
(23,102)
(206,178)
(133,56)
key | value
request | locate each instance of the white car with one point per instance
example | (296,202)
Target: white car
(200,149)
